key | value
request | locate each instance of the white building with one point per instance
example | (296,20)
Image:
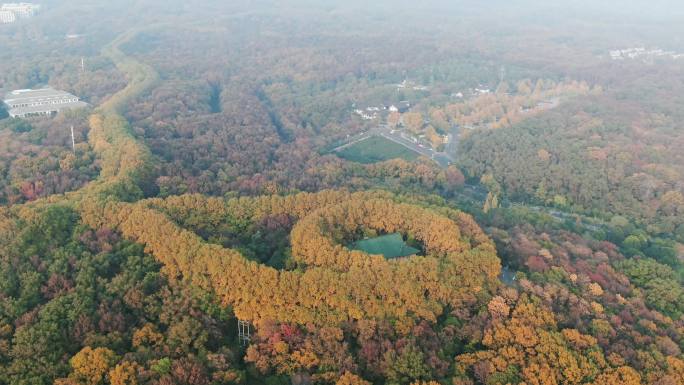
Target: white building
(400,107)
(42,102)
(7,17)
(21,10)
(10,12)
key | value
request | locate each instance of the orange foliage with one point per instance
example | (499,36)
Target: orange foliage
(621,376)
(337,284)
(498,308)
(147,335)
(126,373)
(529,340)
(90,366)
(351,379)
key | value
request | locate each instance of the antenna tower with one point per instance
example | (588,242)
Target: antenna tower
(73,141)
(243,332)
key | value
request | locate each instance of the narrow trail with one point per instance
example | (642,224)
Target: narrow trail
(126,162)
(141,77)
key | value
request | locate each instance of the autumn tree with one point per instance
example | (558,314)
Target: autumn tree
(125,373)
(351,379)
(413,121)
(91,366)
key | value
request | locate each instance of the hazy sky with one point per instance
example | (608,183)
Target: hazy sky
(653,22)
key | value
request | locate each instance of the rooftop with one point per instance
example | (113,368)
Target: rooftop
(44,101)
(31,95)
(12,6)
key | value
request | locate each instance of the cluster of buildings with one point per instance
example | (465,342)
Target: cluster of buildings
(370,113)
(406,84)
(41,102)
(11,12)
(643,53)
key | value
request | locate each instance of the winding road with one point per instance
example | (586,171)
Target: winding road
(472,192)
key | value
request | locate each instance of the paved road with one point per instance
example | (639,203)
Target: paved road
(443,159)
(475,193)
(452,147)
(352,140)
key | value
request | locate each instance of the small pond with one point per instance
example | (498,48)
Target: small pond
(390,245)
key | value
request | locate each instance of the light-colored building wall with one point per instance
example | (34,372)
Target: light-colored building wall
(7,17)
(10,12)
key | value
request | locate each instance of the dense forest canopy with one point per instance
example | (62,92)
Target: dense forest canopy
(197,229)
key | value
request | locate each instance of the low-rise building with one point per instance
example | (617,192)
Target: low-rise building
(21,10)
(642,53)
(10,12)
(7,17)
(365,115)
(400,107)
(41,102)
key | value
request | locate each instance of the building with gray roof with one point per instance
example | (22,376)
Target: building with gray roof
(41,102)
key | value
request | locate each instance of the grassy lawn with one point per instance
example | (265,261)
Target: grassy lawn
(376,149)
(390,245)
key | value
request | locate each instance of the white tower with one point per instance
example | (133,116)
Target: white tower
(73,141)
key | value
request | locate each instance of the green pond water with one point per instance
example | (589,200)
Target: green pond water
(390,245)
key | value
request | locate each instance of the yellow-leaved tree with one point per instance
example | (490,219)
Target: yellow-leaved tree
(90,366)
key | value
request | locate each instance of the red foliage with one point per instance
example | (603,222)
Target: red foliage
(537,264)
